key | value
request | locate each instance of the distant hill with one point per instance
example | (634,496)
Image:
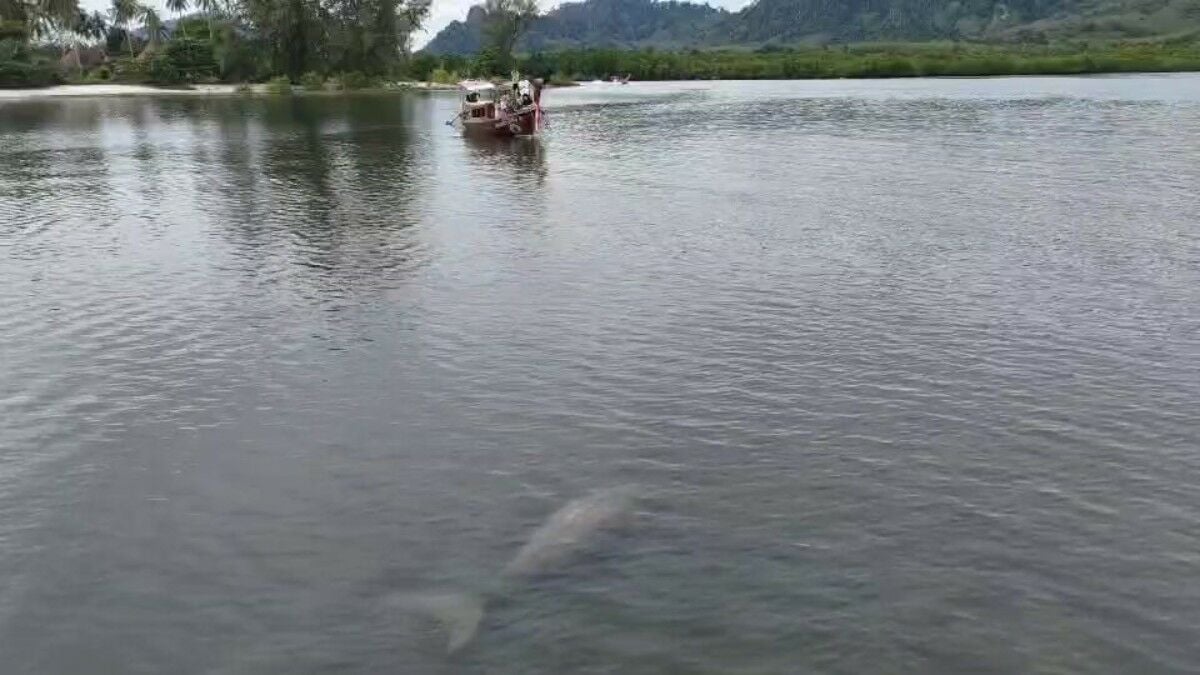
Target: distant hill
(592,23)
(667,25)
(823,21)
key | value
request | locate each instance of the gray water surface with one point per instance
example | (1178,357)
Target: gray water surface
(908,370)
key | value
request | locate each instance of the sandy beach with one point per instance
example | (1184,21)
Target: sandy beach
(90,90)
(118,90)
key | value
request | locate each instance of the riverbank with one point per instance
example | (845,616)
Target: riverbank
(107,89)
(77,90)
(772,68)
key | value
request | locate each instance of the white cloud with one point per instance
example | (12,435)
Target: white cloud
(440,15)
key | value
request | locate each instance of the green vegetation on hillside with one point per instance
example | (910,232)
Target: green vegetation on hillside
(792,21)
(641,24)
(594,23)
(863,61)
(849,61)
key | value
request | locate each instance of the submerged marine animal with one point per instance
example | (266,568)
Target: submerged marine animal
(565,533)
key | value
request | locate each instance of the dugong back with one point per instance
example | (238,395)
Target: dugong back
(570,529)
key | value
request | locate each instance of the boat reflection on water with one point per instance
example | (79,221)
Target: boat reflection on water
(523,155)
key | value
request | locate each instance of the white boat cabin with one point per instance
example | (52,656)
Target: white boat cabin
(479,99)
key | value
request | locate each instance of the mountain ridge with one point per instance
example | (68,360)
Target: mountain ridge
(675,25)
(591,23)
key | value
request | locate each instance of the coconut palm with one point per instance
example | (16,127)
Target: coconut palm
(86,29)
(93,27)
(59,11)
(156,32)
(40,16)
(210,9)
(179,8)
(122,12)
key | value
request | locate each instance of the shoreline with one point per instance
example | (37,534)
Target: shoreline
(105,90)
(115,89)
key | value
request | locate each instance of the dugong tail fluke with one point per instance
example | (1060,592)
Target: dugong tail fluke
(458,613)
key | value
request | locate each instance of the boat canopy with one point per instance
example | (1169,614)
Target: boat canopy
(476,85)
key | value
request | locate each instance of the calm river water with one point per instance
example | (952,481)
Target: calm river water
(908,373)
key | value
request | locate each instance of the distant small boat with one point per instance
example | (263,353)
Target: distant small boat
(487,110)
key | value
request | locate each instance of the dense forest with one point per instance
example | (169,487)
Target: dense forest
(861,60)
(354,42)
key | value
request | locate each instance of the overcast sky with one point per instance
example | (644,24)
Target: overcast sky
(443,12)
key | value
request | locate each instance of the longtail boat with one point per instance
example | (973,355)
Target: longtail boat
(489,110)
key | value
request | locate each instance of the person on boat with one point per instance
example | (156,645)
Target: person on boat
(505,110)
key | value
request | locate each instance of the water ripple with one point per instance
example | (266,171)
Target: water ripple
(909,371)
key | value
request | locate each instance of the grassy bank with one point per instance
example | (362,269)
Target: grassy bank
(866,61)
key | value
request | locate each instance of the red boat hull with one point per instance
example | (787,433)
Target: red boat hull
(525,123)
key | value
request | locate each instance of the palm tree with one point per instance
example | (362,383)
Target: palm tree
(178,7)
(156,32)
(209,7)
(122,12)
(87,28)
(506,22)
(95,27)
(61,12)
(40,16)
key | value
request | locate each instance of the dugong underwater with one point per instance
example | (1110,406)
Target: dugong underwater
(565,533)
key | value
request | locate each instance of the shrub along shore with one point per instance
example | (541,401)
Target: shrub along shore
(870,61)
(183,61)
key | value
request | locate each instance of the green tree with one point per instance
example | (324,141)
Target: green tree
(40,17)
(192,57)
(90,26)
(162,70)
(506,21)
(86,28)
(210,9)
(179,8)
(247,39)
(156,32)
(123,12)
(368,36)
(291,29)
